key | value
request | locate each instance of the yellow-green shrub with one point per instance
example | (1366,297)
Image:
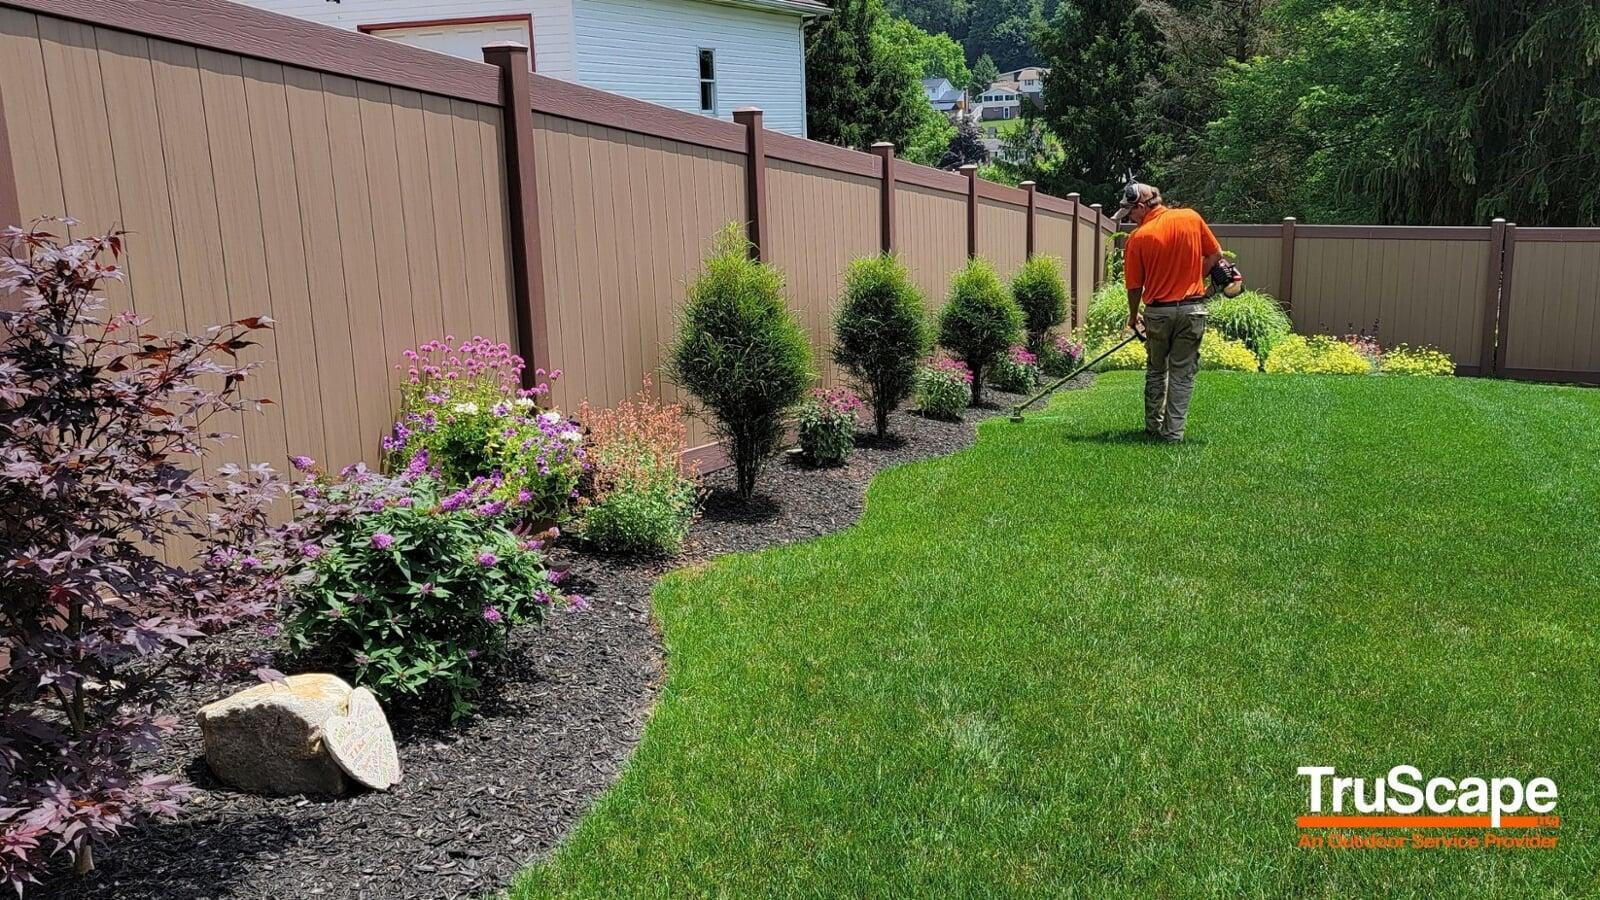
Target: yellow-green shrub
(1131,356)
(1403,360)
(1220,352)
(1316,355)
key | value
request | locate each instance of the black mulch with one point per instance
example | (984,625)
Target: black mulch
(477,804)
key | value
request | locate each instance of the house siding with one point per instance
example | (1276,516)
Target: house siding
(552,20)
(648,49)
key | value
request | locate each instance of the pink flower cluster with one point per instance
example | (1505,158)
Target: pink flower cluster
(1022,356)
(474,358)
(1366,345)
(951,367)
(1068,347)
(838,400)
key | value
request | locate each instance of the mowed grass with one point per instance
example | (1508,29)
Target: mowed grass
(1069,663)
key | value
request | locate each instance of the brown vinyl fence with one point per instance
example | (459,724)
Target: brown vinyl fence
(370,196)
(1503,301)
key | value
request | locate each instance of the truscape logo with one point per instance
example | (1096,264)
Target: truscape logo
(1405,810)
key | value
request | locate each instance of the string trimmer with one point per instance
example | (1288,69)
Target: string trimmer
(1016,411)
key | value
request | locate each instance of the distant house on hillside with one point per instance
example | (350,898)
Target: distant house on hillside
(701,56)
(1028,80)
(943,96)
(998,102)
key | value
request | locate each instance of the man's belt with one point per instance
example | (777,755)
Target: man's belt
(1187,301)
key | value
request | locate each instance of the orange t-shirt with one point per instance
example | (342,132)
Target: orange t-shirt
(1165,254)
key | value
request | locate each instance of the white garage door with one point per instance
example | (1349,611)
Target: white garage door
(463,39)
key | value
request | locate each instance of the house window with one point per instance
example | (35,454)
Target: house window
(708,81)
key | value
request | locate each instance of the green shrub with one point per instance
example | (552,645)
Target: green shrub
(979,322)
(412,582)
(1131,356)
(943,388)
(827,426)
(741,353)
(1219,352)
(638,498)
(650,519)
(1252,317)
(1041,294)
(1316,355)
(1403,360)
(1016,371)
(880,334)
(1107,318)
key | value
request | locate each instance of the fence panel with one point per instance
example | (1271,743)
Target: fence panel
(822,221)
(1550,316)
(1259,252)
(625,220)
(1002,235)
(1053,237)
(1406,286)
(1083,290)
(251,187)
(931,231)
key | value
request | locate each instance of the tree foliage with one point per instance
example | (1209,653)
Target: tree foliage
(864,87)
(880,334)
(1098,53)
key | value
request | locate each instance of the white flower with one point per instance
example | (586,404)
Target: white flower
(524,402)
(572,436)
(550,418)
(466,409)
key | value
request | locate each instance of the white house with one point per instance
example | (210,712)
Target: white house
(701,56)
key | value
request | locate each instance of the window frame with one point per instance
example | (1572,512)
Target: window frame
(701,55)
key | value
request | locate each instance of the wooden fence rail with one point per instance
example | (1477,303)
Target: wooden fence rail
(371,196)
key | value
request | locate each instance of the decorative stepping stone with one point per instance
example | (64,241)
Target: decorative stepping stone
(362,744)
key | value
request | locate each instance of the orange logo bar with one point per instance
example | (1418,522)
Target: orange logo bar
(1426,822)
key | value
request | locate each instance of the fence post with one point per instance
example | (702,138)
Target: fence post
(1488,366)
(1033,210)
(1286,265)
(522,198)
(885,152)
(755,167)
(1099,261)
(971,171)
(1503,319)
(1075,199)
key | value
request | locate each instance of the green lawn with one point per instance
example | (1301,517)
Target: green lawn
(1066,662)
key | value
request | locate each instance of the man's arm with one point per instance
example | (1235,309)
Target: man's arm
(1133,279)
(1210,247)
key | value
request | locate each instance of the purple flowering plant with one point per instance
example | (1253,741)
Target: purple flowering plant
(407,567)
(827,422)
(103,426)
(1015,371)
(464,407)
(944,387)
(1060,355)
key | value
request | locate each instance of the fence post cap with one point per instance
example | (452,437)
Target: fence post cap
(1498,221)
(970,167)
(1027,185)
(1074,195)
(1290,219)
(747,111)
(883,145)
(506,46)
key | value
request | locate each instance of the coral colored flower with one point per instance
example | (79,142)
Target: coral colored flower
(383,541)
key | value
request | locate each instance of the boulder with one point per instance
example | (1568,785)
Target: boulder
(269,738)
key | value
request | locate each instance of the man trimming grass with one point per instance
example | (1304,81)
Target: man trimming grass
(993,687)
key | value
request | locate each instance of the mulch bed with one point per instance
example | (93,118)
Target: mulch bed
(477,804)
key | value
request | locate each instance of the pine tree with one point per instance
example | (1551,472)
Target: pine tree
(862,88)
(984,73)
(1098,53)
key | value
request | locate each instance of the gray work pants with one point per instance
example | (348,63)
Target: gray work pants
(1173,344)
